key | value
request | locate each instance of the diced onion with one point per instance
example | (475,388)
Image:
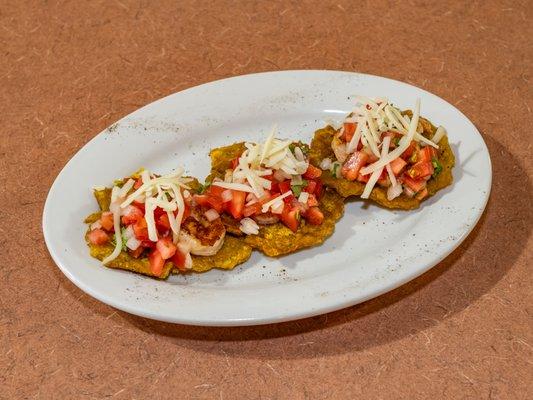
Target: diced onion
(128,232)
(394,191)
(133,243)
(277,208)
(325,164)
(304,196)
(249,226)
(211,214)
(95,225)
(226,195)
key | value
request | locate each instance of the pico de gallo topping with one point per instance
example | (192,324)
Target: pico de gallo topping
(269,182)
(156,217)
(378,144)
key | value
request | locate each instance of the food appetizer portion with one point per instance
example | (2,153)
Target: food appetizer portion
(395,158)
(152,225)
(270,196)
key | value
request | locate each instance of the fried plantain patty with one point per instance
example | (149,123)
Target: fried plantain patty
(276,239)
(321,148)
(232,253)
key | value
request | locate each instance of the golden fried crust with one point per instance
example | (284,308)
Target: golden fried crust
(232,253)
(321,148)
(203,230)
(126,261)
(276,239)
(221,158)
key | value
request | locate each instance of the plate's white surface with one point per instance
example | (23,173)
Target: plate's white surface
(372,251)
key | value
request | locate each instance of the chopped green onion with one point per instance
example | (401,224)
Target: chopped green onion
(436,166)
(204,187)
(335,169)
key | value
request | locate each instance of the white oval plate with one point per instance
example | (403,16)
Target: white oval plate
(372,251)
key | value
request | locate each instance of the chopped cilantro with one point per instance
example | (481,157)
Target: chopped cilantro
(397,141)
(297,189)
(436,166)
(204,187)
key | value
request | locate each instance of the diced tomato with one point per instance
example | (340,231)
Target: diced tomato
(312,201)
(186,212)
(148,244)
(371,156)
(363,178)
(251,210)
(235,162)
(312,172)
(156,263)
(409,151)
(274,187)
(106,220)
(349,130)
(140,229)
(209,201)
(98,237)
(414,184)
(314,216)
(215,191)
(319,189)
(427,153)
(179,259)
(236,205)
(284,186)
(355,162)
(158,211)
(163,223)
(397,165)
(422,194)
(137,252)
(165,247)
(311,187)
(139,205)
(291,218)
(421,170)
(290,199)
(138,183)
(131,214)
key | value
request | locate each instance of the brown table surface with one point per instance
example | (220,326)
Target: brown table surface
(68,69)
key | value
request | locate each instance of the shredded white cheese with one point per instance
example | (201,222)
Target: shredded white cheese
(275,201)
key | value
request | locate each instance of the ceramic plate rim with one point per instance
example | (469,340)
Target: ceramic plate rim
(330,304)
